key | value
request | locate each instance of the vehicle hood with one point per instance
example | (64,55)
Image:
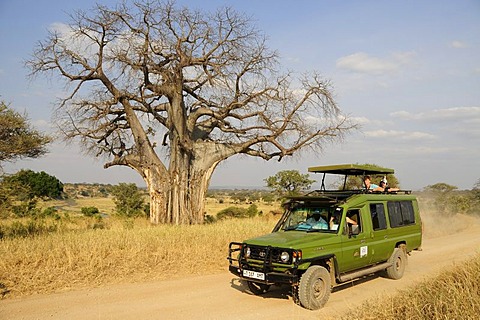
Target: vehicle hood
(292,239)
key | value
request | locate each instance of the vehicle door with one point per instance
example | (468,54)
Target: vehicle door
(379,243)
(354,246)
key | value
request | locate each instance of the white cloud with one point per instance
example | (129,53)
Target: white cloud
(361,62)
(400,135)
(458,113)
(458,44)
(61,29)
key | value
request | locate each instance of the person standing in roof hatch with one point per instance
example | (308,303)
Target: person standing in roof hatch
(384,185)
(367,180)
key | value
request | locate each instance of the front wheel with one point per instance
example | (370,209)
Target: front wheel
(315,287)
(258,288)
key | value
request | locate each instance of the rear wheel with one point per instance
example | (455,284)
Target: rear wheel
(399,261)
(315,287)
(257,288)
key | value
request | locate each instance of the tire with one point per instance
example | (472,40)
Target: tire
(258,288)
(315,287)
(399,261)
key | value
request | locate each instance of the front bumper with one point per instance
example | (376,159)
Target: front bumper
(270,277)
(274,272)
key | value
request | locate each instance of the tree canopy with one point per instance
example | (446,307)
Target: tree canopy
(35,184)
(172,92)
(128,200)
(17,138)
(289,182)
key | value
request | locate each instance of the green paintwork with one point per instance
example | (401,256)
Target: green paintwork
(351,169)
(351,252)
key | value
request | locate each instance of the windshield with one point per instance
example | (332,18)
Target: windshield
(321,218)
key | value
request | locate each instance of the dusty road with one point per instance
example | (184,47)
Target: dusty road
(222,296)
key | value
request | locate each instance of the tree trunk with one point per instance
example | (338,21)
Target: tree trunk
(180,197)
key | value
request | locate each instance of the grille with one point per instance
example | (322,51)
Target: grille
(265,253)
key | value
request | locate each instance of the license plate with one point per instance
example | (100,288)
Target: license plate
(254,274)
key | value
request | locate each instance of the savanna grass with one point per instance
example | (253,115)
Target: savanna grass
(126,251)
(453,294)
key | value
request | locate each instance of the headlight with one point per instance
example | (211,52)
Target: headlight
(285,256)
(247,252)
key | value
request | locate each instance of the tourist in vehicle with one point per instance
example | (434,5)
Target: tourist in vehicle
(317,221)
(384,185)
(369,186)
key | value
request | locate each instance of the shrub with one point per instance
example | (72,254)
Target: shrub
(30,228)
(128,200)
(50,212)
(90,211)
(236,212)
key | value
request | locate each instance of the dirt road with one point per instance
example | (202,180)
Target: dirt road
(222,296)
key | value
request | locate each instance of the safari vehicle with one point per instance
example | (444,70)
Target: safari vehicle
(328,237)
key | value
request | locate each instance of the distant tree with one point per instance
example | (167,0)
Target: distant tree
(17,138)
(476,189)
(268,198)
(236,212)
(289,182)
(128,199)
(13,202)
(446,200)
(35,184)
(172,92)
(440,187)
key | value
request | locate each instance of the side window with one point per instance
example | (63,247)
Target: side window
(377,212)
(353,218)
(400,213)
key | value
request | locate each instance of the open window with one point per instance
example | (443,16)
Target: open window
(354,223)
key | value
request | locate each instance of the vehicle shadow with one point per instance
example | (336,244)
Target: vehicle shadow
(275,292)
(288,292)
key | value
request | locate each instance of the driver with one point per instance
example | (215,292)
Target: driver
(317,221)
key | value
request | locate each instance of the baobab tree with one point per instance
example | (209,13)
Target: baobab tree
(171,93)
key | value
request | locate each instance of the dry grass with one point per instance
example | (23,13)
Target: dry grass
(128,251)
(133,250)
(453,294)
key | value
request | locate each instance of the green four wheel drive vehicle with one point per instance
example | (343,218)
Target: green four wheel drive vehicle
(328,237)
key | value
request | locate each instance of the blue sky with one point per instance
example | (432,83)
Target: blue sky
(407,71)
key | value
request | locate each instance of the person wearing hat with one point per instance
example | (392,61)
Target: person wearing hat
(384,185)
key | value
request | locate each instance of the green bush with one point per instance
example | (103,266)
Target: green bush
(128,199)
(236,212)
(90,211)
(30,228)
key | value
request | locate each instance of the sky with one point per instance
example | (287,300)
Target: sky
(407,71)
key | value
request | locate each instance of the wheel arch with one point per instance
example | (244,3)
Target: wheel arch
(329,262)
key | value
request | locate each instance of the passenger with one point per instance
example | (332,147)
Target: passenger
(351,221)
(334,222)
(384,185)
(371,186)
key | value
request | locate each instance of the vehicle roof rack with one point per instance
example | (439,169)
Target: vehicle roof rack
(349,170)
